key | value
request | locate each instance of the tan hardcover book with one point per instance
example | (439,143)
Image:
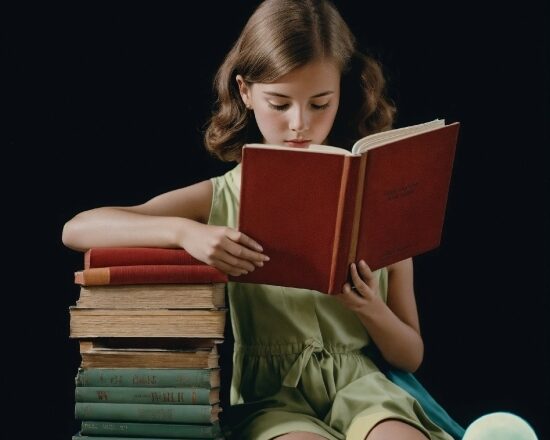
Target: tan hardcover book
(179,323)
(153,296)
(184,353)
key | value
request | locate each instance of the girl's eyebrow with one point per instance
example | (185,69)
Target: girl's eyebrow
(280,95)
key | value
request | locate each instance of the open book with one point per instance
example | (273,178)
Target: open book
(318,209)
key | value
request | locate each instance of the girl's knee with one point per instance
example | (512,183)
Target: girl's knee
(395,429)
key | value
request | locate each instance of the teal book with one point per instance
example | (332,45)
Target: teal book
(143,412)
(154,430)
(156,396)
(148,377)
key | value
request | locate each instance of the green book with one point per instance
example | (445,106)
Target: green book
(163,430)
(166,396)
(143,412)
(148,377)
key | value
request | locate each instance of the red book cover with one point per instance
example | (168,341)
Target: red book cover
(150,274)
(317,210)
(134,256)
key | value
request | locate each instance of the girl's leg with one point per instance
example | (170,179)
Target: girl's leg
(300,436)
(394,429)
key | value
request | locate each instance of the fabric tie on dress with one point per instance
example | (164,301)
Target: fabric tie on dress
(294,374)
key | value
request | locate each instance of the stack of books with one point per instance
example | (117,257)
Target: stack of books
(149,322)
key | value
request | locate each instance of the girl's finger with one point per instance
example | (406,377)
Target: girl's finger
(242,238)
(366,273)
(356,279)
(228,269)
(240,245)
(350,291)
(228,258)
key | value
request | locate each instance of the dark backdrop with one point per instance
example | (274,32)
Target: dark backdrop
(105,106)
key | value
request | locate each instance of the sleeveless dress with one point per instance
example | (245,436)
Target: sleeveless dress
(299,361)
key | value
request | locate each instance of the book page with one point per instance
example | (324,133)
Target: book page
(312,148)
(384,137)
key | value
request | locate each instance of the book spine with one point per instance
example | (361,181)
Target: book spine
(158,296)
(147,360)
(144,377)
(356,209)
(150,274)
(137,412)
(165,396)
(347,222)
(127,256)
(162,430)
(174,323)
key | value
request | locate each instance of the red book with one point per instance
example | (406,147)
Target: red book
(134,256)
(150,274)
(317,210)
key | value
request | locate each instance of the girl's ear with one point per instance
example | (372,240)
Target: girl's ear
(244,90)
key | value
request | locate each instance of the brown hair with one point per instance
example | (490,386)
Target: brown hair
(280,36)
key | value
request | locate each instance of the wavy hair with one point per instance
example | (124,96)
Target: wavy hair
(280,36)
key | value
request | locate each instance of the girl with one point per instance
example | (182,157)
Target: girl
(301,370)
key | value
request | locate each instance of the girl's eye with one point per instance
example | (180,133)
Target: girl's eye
(320,106)
(280,108)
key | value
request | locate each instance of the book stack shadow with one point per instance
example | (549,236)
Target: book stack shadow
(150,323)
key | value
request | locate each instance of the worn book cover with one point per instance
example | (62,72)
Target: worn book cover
(149,353)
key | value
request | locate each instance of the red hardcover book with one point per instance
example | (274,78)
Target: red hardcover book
(149,274)
(317,210)
(134,256)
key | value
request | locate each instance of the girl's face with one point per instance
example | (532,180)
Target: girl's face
(299,108)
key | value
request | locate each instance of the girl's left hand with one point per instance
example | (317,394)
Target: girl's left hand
(364,290)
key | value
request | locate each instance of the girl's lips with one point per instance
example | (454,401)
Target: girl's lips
(302,143)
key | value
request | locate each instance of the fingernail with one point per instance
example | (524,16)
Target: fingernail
(266,258)
(260,263)
(259,248)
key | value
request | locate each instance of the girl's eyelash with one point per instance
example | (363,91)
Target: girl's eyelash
(283,107)
(320,107)
(280,108)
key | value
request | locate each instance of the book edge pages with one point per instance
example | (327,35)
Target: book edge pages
(384,137)
(312,148)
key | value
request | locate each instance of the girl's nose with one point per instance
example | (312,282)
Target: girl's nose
(299,121)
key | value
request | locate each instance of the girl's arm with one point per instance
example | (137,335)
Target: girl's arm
(174,219)
(393,326)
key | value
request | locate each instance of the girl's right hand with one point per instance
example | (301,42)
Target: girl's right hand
(224,248)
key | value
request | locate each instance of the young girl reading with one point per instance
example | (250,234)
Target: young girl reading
(301,369)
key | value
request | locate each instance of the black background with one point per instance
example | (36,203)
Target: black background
(105,106)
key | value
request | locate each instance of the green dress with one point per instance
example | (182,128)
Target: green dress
(299,361)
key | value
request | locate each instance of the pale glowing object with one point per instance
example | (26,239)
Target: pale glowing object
(499,426)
